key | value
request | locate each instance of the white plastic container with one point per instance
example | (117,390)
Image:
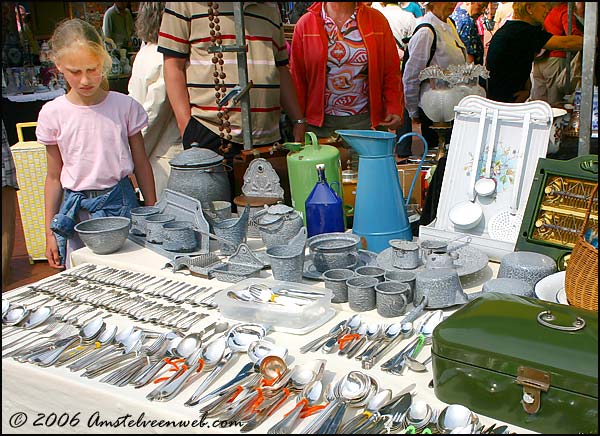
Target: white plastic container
(285,318)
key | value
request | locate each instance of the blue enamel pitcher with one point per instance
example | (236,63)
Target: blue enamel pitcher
(380,209)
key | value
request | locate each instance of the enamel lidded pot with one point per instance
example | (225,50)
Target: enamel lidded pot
(201,174)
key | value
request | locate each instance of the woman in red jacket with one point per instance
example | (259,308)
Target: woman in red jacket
(346,69)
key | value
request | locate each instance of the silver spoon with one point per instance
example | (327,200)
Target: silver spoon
(87,333)
(375,403)
(120,336)
(189,348)
(103,339)
(417,366)
(214,357)
(15,315)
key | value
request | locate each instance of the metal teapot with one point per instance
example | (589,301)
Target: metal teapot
(201,174)
(278,224)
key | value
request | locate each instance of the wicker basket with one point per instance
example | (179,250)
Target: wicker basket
(581,282)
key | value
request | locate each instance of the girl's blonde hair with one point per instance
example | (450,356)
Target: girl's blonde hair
(76,31)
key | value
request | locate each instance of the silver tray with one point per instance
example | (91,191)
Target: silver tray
(185,208)
(365,257)
(470,259)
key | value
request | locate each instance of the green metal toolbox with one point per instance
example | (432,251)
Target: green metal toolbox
(520,360)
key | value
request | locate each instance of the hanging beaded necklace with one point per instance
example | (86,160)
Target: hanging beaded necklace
(219,77)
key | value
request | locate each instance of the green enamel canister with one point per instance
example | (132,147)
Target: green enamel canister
(524,361)
(301,164)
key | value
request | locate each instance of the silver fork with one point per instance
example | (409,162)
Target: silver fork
(121,376)
(22,355)
(49,326)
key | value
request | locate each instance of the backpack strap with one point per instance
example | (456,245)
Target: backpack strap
(433,45)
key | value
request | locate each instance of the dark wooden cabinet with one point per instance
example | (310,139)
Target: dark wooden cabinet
(45,16)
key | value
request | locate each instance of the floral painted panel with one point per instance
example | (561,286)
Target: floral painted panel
(502,169)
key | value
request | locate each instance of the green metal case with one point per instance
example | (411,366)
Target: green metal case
(520,360)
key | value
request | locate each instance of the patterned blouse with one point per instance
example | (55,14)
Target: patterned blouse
(346,90)
(467,30)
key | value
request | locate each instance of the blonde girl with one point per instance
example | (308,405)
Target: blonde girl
(93,141)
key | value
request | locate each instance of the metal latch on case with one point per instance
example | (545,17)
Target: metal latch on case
(534,382)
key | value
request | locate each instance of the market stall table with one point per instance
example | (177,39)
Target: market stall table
(32,394)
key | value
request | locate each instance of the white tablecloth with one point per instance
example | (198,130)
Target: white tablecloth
(33,391)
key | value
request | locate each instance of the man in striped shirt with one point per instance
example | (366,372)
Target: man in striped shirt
(191,75)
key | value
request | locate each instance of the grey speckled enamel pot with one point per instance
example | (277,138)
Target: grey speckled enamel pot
(287,262)
(335,279)
(334,250)
(200,173)
(527,266)
(371,271)
(278,224)
(179,236)
(138,218)
(441,286)
(154,227)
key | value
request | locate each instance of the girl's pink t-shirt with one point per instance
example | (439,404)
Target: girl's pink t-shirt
(93,140)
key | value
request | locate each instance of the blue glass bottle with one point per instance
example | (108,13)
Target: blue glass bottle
(324,209)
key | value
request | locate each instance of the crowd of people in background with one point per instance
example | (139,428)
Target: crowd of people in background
(347,67)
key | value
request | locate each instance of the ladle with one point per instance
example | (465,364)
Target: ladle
(261,348)
(467,214)
(419,415)
(455,416)
(353,388)
(238,340)
(86,334)
(375,403)
(486,185)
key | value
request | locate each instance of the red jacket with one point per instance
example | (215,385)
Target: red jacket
(557,23)
(309,63)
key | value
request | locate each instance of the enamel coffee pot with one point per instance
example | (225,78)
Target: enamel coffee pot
(380,209)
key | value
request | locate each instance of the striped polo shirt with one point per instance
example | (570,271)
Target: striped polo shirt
(184,32)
